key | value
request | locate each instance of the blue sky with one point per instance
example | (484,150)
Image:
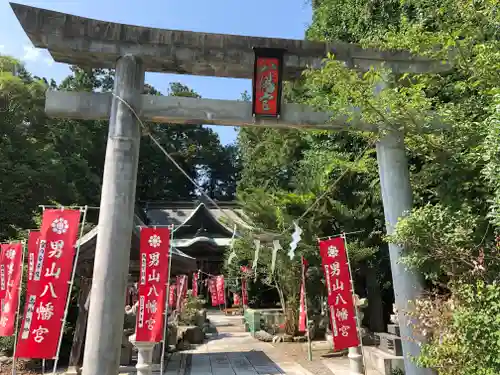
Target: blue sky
(271,18)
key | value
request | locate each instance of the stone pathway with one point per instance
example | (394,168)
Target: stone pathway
(235,352)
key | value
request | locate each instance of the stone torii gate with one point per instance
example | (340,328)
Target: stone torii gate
(132,50)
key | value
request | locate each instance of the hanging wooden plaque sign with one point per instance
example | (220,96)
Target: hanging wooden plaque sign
(267,82)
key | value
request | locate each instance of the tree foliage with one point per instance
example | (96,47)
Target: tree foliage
(45,160)
(449,237)
(61,161)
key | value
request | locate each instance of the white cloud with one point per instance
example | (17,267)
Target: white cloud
(31,53)
(2,48)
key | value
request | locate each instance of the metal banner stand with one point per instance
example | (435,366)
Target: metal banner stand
(225,297)
(75,262)
(18,308)
(309,345)
(355,356)
(167,294)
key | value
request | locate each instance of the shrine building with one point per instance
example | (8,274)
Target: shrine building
(201,230)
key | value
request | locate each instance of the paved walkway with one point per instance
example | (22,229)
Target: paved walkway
(235,352)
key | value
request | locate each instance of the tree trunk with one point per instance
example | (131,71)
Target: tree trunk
(289,309)
(291,319)
(375,310)
(282,297)
(81,325)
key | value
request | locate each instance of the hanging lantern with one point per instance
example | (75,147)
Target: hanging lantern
(267,82)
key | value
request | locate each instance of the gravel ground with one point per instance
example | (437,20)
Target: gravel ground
(298,352)
(6,369)
(30,367)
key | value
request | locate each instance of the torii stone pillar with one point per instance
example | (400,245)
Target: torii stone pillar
(105,322)
(397,201)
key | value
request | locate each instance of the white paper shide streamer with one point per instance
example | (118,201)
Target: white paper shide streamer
(256,257)
(256,254)
(231,246)
(276,248)
(295,240)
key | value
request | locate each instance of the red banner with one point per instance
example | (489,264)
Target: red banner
(236,299)
(3,272)
(340,295)
(303,310)
(213,291)
(221,290)
(182,281)
(194,289)
(33,242)
(12,265)
(244,292)
(155,245)
(171,295)
(48,289)
(266,86)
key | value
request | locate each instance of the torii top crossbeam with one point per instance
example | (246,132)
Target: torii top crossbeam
(93,43)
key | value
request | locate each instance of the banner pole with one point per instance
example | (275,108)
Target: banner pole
(56,360)
(167,296)
(309,345)
(243,291)
(43,366)
(225,298)
(18,308)
(358,323)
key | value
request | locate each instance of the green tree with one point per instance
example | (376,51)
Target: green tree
(60,161)
(29,168)
(352,20)
(449,235)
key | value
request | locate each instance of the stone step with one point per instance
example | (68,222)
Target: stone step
(383,363)
(394,329)
(388,343)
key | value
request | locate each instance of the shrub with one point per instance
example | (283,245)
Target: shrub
(463,331)
(191,306)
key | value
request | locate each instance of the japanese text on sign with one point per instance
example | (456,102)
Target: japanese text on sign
(50,265)
(266,86)
(154,256)
(11,260)
(340,295)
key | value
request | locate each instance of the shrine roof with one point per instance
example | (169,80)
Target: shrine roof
(187,217)
(94,43)
(196,222)
(88,243)
(182,214)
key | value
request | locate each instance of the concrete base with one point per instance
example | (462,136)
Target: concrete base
(318,345)
(144,364)
(155,367)
(73,370)
(384,363)
(356,361)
